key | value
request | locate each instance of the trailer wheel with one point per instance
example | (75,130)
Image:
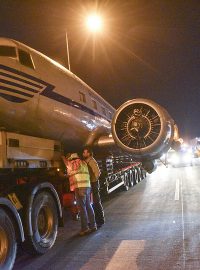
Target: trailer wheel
(131,179)
(44,224)
(8,244)
(137,175)
(134,173)
(143,174)
(126,182)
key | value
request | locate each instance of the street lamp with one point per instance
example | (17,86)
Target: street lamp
(94,23)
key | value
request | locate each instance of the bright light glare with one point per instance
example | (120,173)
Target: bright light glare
(94,23)
(163,156)
(175,159)
(187,158)
(183,158)
(184,145)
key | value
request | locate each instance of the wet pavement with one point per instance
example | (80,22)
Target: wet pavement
(154,225)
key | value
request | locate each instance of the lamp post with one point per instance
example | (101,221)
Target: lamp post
(67,44)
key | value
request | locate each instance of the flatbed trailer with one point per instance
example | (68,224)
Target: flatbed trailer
(32,187)
(119,172)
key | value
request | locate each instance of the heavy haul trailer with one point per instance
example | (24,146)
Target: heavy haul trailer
(32,190)
(30,194)
(120,171)
(41,98)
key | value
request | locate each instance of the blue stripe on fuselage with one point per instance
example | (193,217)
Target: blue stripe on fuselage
(11,90)
(20,79)
(18,85)
(28,76)
(48,92)
(12,98)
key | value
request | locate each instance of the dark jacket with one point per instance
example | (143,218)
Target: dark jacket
(93,169)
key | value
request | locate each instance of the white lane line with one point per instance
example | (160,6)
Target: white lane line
(177,190)
(183,225)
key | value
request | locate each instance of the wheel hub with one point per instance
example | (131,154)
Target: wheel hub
(138,127)
(3,245)
(45,221)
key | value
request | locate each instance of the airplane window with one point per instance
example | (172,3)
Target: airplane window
(8,51)
(94,104)
(82,97)
(103,110)
(110,115)
(25,59)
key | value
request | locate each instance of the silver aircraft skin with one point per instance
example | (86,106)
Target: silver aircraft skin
(39,97)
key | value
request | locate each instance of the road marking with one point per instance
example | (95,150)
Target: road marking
(179,194)
(126,255)
(183,225)
(177,190)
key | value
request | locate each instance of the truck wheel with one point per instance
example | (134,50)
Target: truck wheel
(8,244)
(131,179)
(126,182)
(44,224)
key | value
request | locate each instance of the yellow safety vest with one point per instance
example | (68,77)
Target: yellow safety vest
(81,178)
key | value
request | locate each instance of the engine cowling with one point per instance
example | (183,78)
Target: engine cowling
(143,128)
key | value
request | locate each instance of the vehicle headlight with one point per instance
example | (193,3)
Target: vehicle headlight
(187,157)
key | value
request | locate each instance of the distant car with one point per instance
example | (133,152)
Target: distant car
(181,158)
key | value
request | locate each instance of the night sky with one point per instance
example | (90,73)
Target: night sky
(148,49)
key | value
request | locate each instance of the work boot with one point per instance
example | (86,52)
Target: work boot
(100,224)
(94,229)
(85,232)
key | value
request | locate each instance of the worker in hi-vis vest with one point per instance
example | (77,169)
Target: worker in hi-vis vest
(94,179)
(79,179)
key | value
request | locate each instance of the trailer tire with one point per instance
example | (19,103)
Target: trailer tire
(134,173)
(44,224)
(126,182)
(137,175)
(8,244)
(131,179)
(143,174)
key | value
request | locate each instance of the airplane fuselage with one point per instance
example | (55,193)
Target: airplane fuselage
(39,97)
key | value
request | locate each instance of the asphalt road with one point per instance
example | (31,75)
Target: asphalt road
(155,225)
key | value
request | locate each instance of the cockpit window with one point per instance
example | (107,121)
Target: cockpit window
(94,104)
(82,97)
(8,51)
(25,59)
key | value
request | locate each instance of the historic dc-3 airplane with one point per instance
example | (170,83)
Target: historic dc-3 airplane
(40,97)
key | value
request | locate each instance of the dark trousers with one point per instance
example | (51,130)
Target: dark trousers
(97,206)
